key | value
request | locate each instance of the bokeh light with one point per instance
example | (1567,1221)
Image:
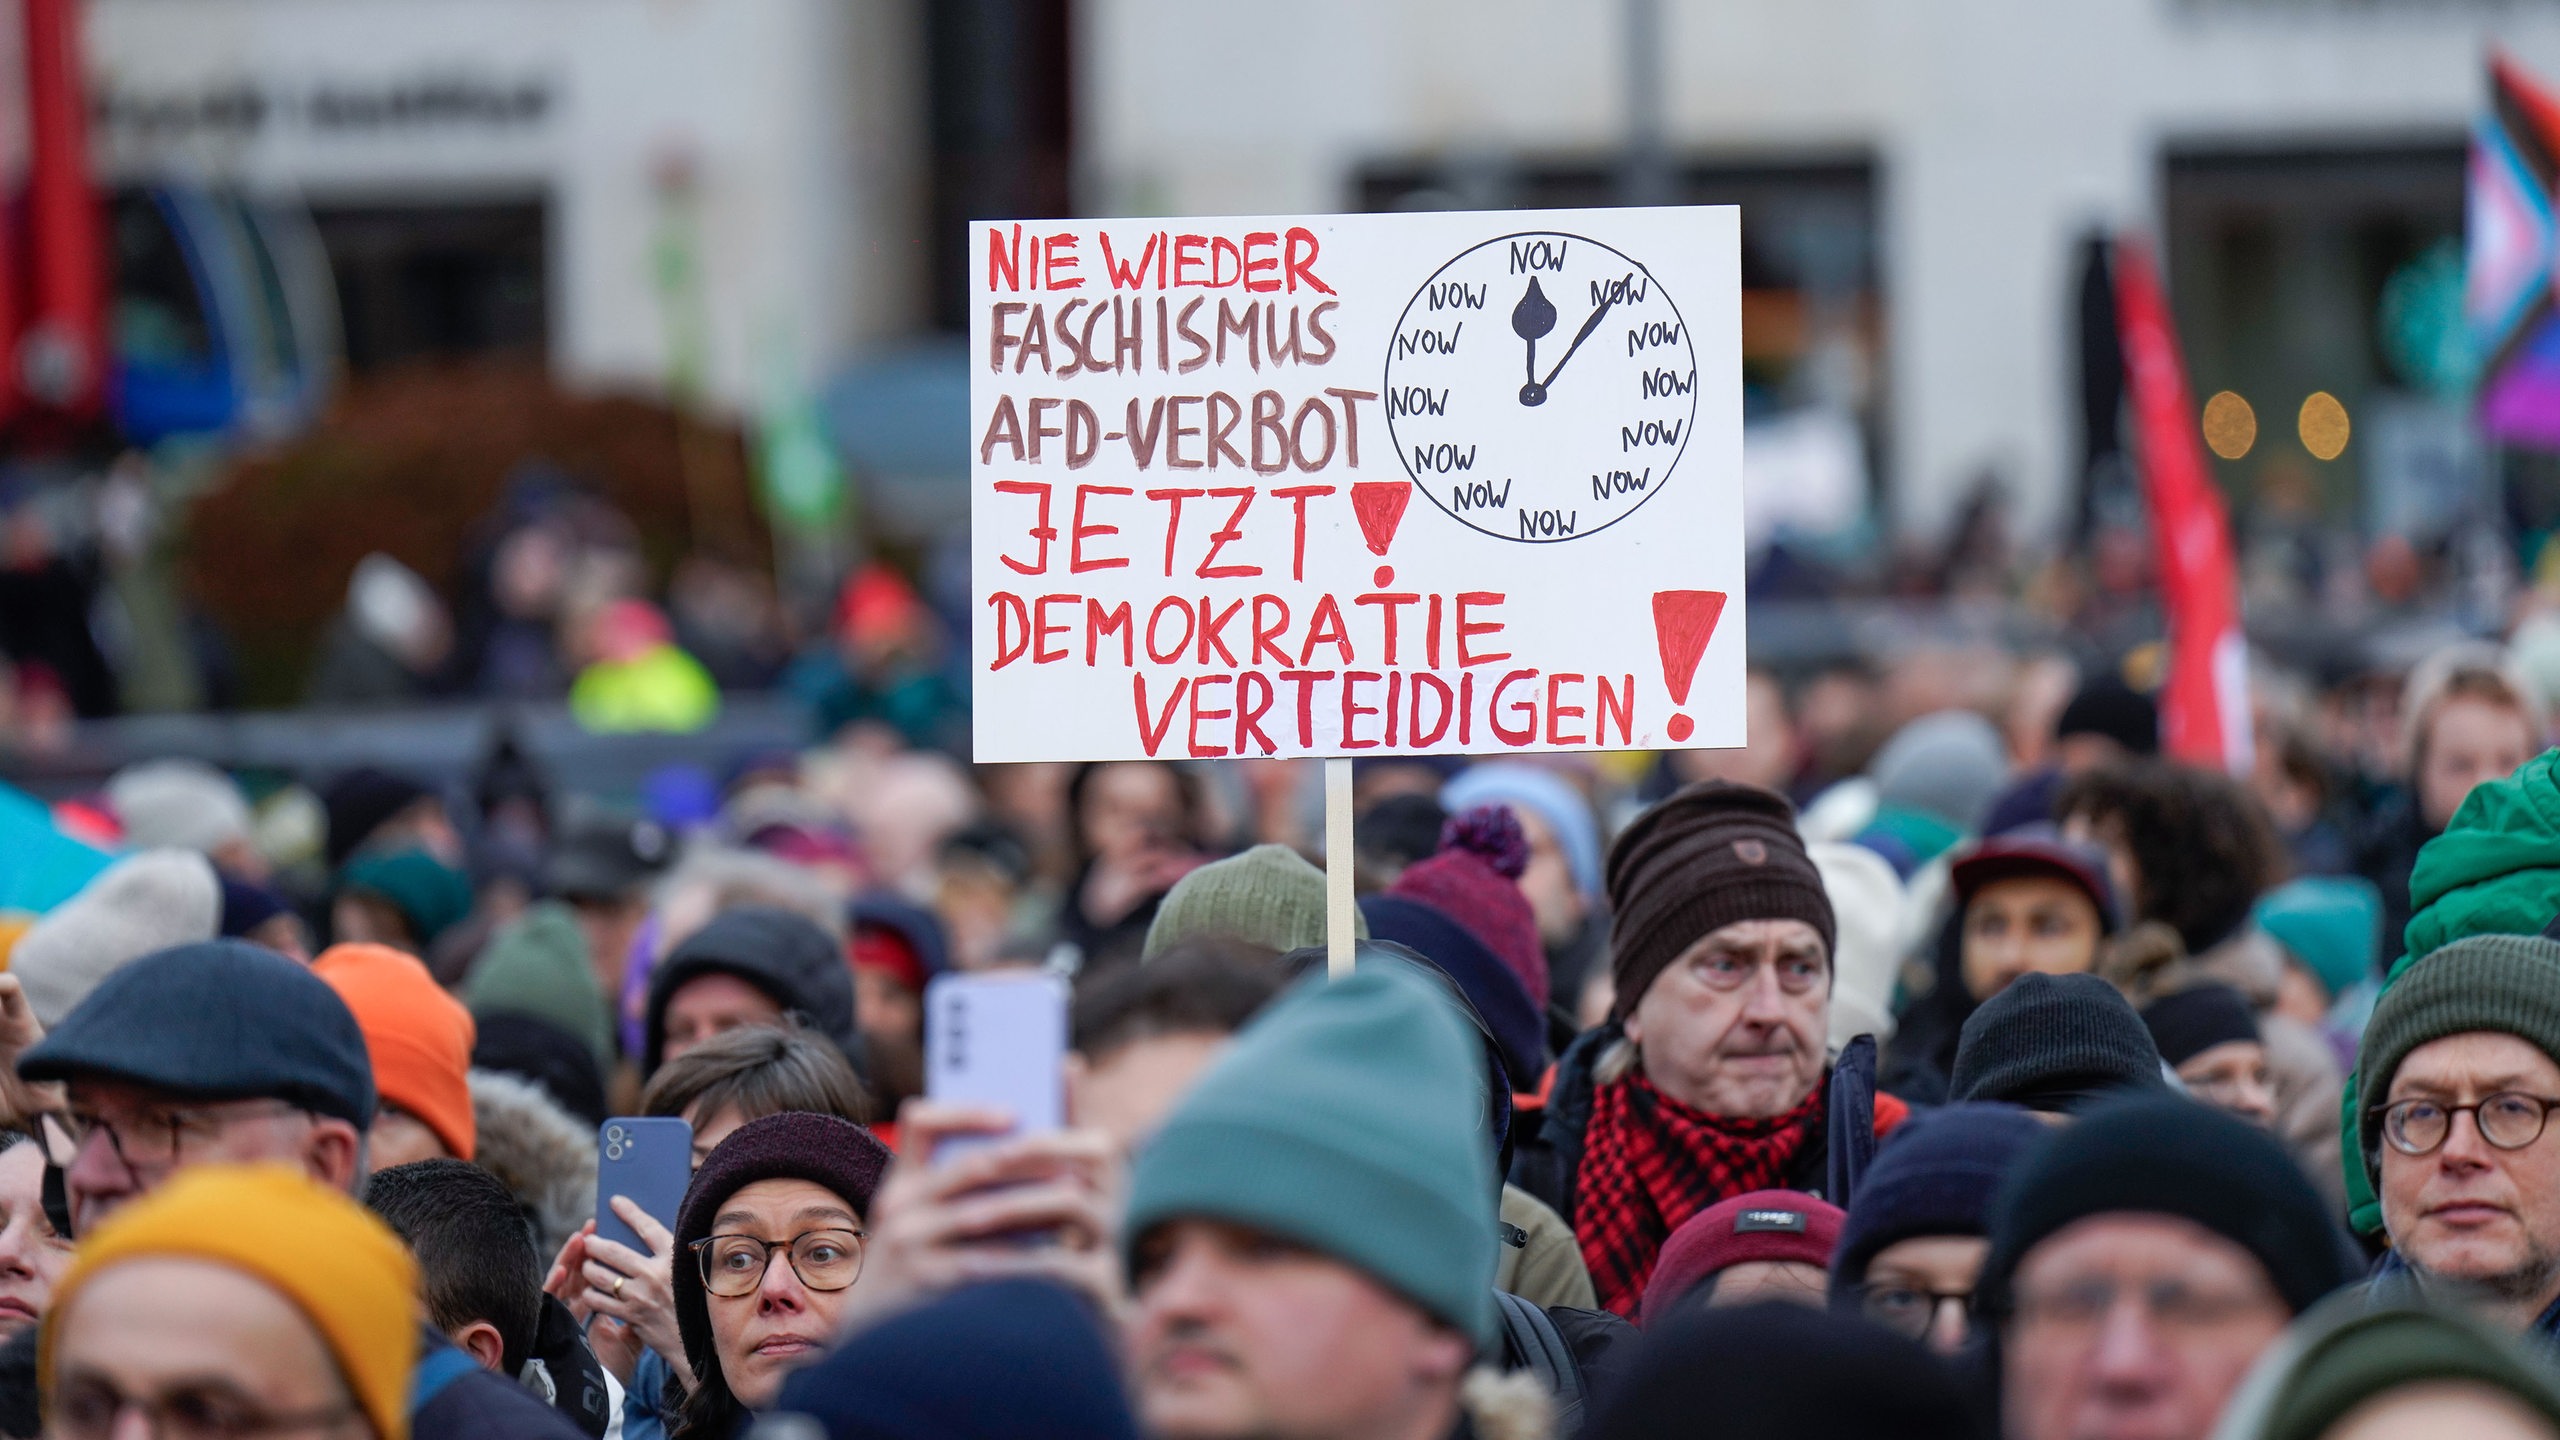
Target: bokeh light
(2230,426)
(2323,425)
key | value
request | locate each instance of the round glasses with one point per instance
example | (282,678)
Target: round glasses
(2509,1120)
(735,1265)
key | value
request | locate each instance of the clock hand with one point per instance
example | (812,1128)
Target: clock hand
(1534,316)
(1578,337)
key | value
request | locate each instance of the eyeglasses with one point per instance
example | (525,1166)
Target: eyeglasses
(156,1138)
(2509,1120)
(88,1408)
(735,1265)
(1909,1311)
(2174,1305)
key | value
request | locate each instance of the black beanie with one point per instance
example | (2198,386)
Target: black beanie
(2054,1043)
(2170,1156)
(1707,857)
(360,802)
(2190,1022)
(2107,706)
(1781,1372)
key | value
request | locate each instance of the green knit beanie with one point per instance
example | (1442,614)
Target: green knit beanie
(1269,895)
(537,965)
(1348,1118)
(2368,1354)
(2506,983)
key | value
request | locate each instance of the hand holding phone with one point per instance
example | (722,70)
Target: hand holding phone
(650,1160)
(1000,1042)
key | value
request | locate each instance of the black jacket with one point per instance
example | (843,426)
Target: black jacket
(1546,1161)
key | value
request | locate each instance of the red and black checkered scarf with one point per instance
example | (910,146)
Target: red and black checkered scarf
(1650,1162)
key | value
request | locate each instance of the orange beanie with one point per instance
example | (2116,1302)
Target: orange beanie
(419,1037)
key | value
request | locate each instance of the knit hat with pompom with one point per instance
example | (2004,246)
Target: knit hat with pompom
(1475,880)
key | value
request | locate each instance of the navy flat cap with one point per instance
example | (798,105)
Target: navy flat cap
(218,1020)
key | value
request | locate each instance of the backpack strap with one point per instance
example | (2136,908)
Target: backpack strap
(1536,1346)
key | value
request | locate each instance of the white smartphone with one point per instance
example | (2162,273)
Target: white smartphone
(998,1040)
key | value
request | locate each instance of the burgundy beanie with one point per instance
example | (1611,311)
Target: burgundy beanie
(1762,1225)
(1713,854)
(793,1145)
(1473,878)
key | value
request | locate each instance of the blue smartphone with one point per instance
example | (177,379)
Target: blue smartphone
(998,1040)
(650,1160)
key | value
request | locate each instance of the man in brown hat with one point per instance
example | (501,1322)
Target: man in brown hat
(1709,1079)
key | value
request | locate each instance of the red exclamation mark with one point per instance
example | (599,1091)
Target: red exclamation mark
(1380,506)
(1683,622)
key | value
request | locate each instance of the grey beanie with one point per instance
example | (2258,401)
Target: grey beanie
(140,904)
(1951,764)
(2054,1043)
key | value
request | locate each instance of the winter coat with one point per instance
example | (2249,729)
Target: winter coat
(2496,868)
(1923,1053)
(2386,851)
(476,1404)
(2394,1283)
(1548,1161)
(1545,1267)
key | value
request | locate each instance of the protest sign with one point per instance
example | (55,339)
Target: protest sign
(1454,483)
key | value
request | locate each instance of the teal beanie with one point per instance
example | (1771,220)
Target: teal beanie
(1269,895)
(2330,923)
(1348,1118)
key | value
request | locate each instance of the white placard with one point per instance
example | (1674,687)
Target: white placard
(1454,483)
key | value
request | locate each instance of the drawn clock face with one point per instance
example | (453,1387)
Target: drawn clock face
(1540,387)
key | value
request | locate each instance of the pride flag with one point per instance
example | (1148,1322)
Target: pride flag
(2512,258)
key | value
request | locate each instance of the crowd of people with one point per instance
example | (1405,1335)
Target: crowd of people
(1947,1062)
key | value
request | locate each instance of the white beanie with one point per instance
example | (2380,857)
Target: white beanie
(178,804)
(1866,905)
(140,904)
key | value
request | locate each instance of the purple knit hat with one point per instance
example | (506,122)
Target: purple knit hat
(794,1145)
(1474,879)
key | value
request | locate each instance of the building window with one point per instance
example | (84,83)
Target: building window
(439,281)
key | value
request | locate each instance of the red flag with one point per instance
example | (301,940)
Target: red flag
(2204,704)
(62,358)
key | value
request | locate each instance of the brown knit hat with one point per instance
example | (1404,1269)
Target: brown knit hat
(1714,853)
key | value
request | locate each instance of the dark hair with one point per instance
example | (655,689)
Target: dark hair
(2202,847)
(759,1070)
(1204,986)
(474,1246)
(1186,786)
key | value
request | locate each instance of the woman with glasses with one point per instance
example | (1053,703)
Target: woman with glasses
(767,1246)
(1916,1233)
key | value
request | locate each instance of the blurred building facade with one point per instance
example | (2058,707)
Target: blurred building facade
(1919,181)
(709,195)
